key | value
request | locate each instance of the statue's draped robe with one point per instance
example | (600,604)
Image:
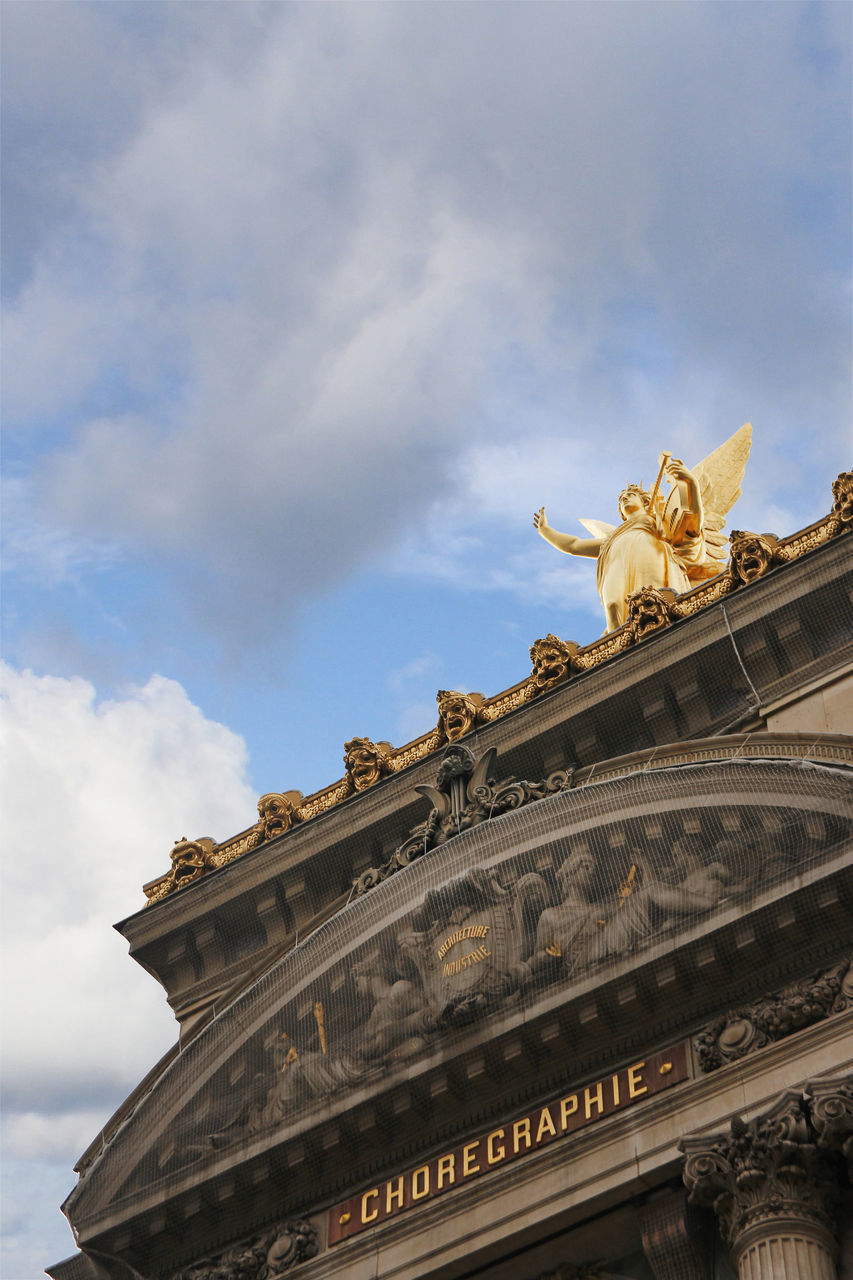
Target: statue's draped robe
(637,554)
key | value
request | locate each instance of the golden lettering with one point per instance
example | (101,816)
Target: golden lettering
(394,1193)
(521,1129)
(546,1125)
(568,1107)
(615,1082)
(494,1156)
(635,1084)
(418,1193)
(365,1216)
(468,1165)
(468,931)
(446,1168)
(597,1097)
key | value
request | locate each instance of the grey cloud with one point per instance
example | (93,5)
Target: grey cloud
(347,249)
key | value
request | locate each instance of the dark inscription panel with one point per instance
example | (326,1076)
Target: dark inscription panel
(511,1141)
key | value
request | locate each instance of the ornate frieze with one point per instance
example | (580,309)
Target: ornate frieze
(263,1258)
(554,661)
(750,1027)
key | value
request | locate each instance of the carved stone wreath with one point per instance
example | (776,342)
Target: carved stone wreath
(743,1030)
(262,1258)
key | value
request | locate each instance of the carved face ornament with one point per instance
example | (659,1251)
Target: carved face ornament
(457,713)
(842,492)
(363,761)
(647,612)
(276,813)
(752,555)
(187,861)
(550,658)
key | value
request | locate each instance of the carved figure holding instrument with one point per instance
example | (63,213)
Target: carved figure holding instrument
(670,541)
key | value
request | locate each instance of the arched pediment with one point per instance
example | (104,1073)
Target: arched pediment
(508,921)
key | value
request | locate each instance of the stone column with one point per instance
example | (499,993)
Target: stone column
(774,1182)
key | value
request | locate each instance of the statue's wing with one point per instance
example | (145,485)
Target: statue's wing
(719,476)
(598,528)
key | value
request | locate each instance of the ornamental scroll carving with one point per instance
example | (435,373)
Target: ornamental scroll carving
(263,1258)
(465,794)
(774,1167)
(746,1029)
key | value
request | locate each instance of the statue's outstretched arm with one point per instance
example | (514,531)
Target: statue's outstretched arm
(566,541)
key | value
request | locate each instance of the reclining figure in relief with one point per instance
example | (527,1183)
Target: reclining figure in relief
(662,542)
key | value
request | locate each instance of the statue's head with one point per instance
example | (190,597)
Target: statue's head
(576,872)
(190,859)
(632,499)
(752,554)
(552,660)
(457,712)
(365,761)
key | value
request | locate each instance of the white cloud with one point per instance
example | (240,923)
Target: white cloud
(95,793)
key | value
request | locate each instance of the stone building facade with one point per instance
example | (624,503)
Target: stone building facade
(561,990)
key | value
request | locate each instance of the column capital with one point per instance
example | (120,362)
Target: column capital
(776,1170)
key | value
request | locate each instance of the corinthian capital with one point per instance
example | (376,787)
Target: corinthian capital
(769,1168)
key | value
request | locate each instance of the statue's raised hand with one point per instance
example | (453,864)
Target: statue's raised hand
(539,521)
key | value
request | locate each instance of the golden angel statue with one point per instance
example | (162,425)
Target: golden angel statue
(671,541)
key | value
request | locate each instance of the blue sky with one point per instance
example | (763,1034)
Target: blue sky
(306,309)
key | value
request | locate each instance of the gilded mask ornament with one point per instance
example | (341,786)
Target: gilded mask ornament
(649,610)
(190,859)
(366,762)
(553,660)
(842,493)
(458,713)
(752,554)
(277,812)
